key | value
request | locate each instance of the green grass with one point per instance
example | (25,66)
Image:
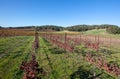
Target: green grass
(55,62)
(17,50)
(65,65)
(114,49)
(101,32)
(95,32)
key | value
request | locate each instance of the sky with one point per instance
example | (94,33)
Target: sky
(15,13)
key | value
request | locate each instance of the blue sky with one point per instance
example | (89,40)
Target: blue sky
(59,12)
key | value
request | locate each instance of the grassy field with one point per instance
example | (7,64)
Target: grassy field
(101,32)
(55,62)
(59,64)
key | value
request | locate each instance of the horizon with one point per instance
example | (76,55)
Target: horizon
(63,13)
(54,25)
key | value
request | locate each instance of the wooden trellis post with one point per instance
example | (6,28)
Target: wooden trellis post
(80,38)
(110,41)
(65,40)
(65,37)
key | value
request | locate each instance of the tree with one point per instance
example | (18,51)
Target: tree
(113,30)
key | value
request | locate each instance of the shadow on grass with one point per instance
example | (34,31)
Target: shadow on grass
(40,73)
(83,73)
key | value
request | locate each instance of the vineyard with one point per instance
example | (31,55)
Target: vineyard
(29,54)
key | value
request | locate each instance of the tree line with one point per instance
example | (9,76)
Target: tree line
(113,29)
(50,28)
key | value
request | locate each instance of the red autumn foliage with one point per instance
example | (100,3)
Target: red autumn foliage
(102,64)
(30,68)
